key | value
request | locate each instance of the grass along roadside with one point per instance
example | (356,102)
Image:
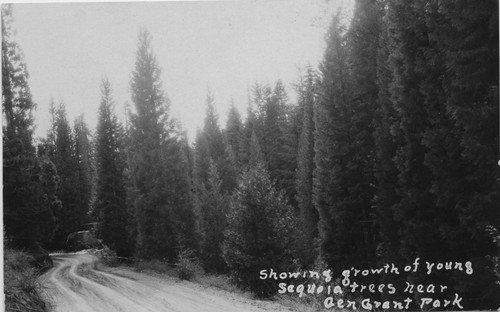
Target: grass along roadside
(186,268)
(186,271)
(22,290)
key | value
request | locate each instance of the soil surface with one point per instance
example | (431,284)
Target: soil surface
(74,284)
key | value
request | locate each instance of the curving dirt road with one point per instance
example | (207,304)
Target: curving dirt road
(75,285)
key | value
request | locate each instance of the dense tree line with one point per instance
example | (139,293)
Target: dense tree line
(388,154)
(29,184)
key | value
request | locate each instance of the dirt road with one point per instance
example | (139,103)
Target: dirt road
(75,285)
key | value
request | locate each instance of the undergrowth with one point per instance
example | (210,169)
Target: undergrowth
(156,266)
(222,282)
(22,290)
(187,267)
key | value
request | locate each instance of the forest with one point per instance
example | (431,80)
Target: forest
(388,154)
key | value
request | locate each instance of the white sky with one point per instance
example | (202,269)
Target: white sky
(224,46)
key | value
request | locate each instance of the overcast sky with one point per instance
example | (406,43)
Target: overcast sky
(226,46)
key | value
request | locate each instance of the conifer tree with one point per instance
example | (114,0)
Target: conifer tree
(467,35)
(84,153)
(201,158)
(269,117)
(415,207)
(423,146)
(110,202)
(214,207)
(259,233)
(210,143)
(256,155)
(363,38)
(212,130)
(305,166)
(246,134)
(27,199)
(233,132)
(179,192)
(50,179)
(344,144)
(188,152)
(148,133)
(49,202)
(279,141)
(159,170)
(72,215)
(291,138)
(386,172)
(273,124)
(215,177)
(340,238)
(47,145)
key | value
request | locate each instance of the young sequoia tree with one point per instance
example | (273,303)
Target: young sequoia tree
(84,153)
(73,214)
(305,166)
(27,206)
(158,168)
(110,203)
(442,74)
(340,232)
(260,231)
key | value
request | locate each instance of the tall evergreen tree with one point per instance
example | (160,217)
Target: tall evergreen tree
(47,145)
(291,138)
(386,172)
(50,179)
(363,37)
(246,134)
(233,132)
(214,207)
(84,153)
(148,131)
(215,177)
(415,207)
(28,216)
(305,166)
(212,130)
(210,143)
(273,124)
(256,155)
(269,116)
(49,184)
(159,170)
(201,158)
(344,143)
(436,92)
(467,36)
(179,191)
(72,215)
(280,141)
(110,202)
(340,231)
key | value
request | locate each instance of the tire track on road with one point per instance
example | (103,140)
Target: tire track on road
(75,285)
(90,296)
